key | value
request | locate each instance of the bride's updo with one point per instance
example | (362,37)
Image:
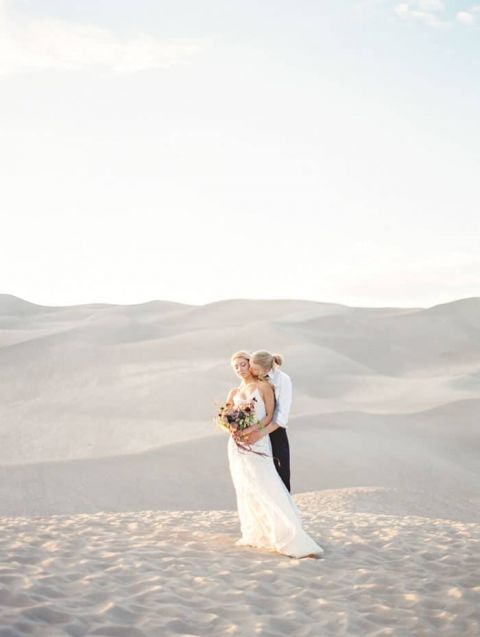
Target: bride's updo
(266,360)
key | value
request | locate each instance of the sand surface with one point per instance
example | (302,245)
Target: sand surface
(117,513)
(179,573)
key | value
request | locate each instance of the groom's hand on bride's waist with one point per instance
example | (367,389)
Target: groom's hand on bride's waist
(245,434)
(254,436)
(242,434)
(257,432)
(264,431)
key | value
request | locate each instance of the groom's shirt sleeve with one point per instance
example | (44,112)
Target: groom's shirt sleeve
(284,401)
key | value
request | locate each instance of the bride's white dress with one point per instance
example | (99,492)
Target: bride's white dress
(269,518)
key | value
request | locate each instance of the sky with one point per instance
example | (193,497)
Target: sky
(194,151)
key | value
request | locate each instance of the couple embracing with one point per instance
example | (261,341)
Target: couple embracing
(259,460)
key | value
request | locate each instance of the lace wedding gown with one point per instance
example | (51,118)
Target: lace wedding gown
(269,518)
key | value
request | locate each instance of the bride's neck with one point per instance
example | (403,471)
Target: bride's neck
(248,379)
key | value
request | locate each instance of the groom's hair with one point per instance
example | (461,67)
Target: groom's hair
(265,359)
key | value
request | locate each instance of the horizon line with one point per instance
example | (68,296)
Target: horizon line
(238,299)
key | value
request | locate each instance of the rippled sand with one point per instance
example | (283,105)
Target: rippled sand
(158,573)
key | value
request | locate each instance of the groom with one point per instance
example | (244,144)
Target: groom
(277,429)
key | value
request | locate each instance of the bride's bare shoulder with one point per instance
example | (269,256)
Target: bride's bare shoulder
(265,387)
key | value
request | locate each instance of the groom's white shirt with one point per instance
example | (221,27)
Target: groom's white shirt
(283,396)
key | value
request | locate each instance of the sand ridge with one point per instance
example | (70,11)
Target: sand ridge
(150,573)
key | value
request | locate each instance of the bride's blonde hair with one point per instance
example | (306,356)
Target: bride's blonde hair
(240,354)
(266,360)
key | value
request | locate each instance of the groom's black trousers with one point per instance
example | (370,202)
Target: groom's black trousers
(281,453)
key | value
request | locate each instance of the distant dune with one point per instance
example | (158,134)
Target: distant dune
(131,390)
(117,511)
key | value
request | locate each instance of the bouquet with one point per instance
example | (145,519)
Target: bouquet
(236,419)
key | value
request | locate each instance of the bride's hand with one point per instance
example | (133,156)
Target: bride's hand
(248,430)
(241,436)
(253,437)
(250,435)
(236,433)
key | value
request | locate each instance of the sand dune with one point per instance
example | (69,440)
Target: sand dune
(126,370)
(418,452)
(131,389)
(118,513)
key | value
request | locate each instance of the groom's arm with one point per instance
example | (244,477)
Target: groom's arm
(254,433)
(269,428)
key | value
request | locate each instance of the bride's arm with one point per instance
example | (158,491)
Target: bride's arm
(229,402)
(231,394)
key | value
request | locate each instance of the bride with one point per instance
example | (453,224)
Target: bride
(269,517)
